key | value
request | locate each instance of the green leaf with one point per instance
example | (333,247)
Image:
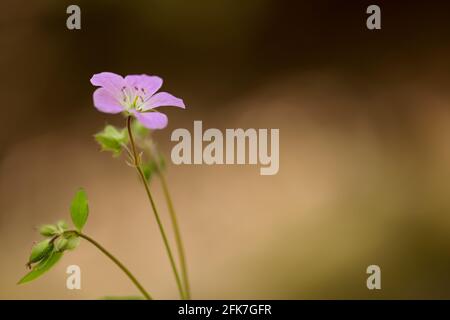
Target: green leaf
(149,168)
(48,230)
(111,139)
(42,267)
(40,251)
(79,210)
(138,130)
(152,167)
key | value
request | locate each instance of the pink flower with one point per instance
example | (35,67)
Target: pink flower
(134,94)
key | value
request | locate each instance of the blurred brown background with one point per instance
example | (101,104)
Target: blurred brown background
(364,124)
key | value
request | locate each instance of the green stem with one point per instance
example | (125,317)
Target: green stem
(174,220)
(116,261)
(176,229)
(155,211)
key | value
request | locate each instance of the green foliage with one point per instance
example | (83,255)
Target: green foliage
(149,169)
(48,230)
(42,267)
(61,244)
(72,242)
(79,210)
(46,253)
(62,226)
(138,130)
(40,251)
(112,139)
(152,167)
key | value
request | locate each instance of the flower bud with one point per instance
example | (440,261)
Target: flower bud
(62,225)
(61,244)
(48,230)
(72,243)
(40,251)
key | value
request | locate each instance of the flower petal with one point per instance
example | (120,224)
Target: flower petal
(104,101)
(163,99)
(151,84)
(110,81)
(151,120)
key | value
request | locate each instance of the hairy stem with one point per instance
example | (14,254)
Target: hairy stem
(116,261)
(137,164)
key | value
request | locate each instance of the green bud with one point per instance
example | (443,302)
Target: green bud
(72,242)
(40,251)
(48,230)
(62,226)
(61,244)
(111,139)
(42,267)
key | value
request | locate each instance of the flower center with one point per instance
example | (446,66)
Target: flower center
(134,98)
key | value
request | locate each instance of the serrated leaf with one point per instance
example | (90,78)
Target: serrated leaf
(40,251)
(48,230)
(111,139)
(42,267)
(79,210)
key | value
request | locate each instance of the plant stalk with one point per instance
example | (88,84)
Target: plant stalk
(117,262)
(176,229)
(137,164)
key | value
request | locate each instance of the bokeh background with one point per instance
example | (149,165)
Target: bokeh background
(364,125)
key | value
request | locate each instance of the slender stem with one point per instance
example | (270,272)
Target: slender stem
(155,211)
(174,220)
(176,229)
(116,261)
